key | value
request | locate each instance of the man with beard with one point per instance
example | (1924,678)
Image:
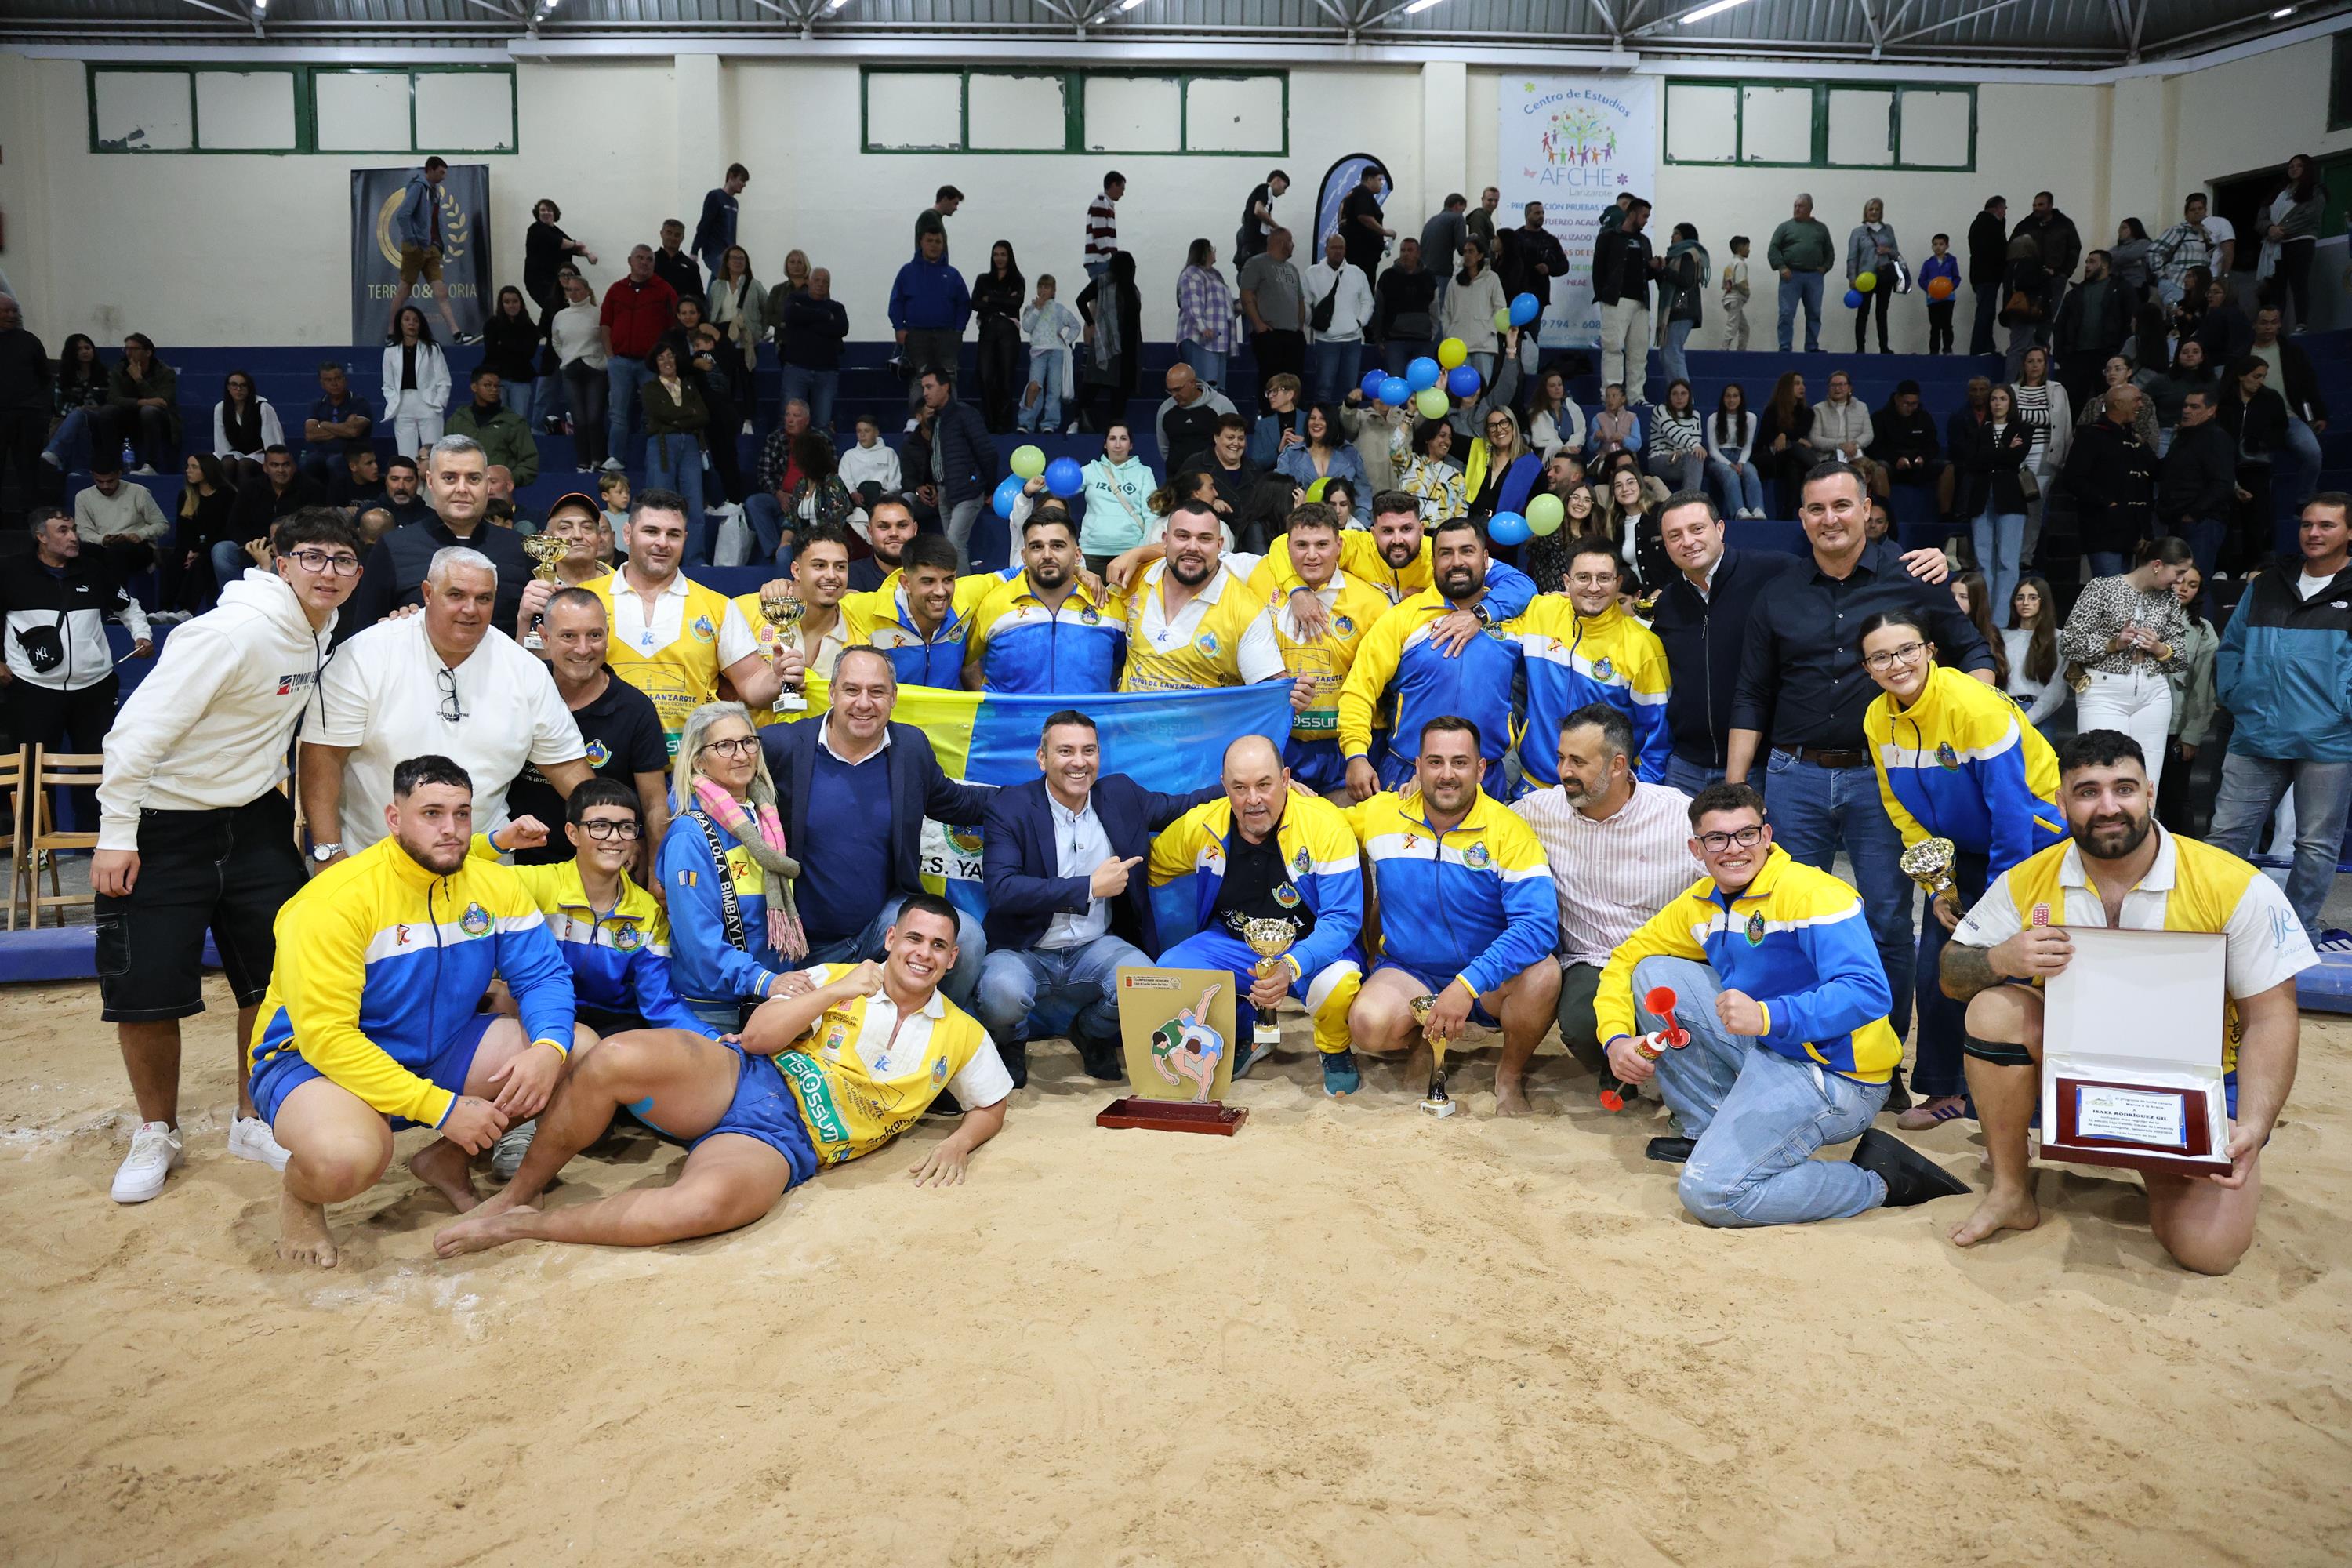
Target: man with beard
(1467,912)
(457,485)
(400,497)
(918,622)
(889,528)
(1045,633)
(365,1029)
(1393,555)
(2119,870)
(1192,623)
(1402,675)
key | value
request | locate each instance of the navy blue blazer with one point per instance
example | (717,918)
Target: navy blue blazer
(918,790)
(1022,865)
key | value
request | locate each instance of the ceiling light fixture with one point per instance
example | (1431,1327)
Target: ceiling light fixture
(1704,11)
(1129,5)
(1418,6)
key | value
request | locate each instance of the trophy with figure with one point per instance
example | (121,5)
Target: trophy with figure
(783,613)
(1436,1102)
(545,549)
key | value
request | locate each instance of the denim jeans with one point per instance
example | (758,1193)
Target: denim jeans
(1936,1069)
(589,389)
(520,396)
(622,377)
(971,945)
(1683,472)
(1670,357)
(1070,992)
(2204,535)
(765,513)
(1332,371)
(2305,444)
(1999,541)
(2250,789)
(1690,778)
(1625,347)
(958,522)
(2104,563)
(1755,1115)
(228,563)
(816,388)
(1045,370)
(1735,488)
(78,437)
(1801,288)
(674,463)
(1397,354)
(1988,295)
(1207,363)
(1814,810)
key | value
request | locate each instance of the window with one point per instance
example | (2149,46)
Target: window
(2339,82)
(925,110)
(1817,125)
(301,108)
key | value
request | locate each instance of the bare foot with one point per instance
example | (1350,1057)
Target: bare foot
(1511,1096)
(448,1170)
(2000,1211)
(303,1234)
(481,1230)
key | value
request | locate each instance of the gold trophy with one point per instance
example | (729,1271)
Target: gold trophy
(546,550)
(1269,939)
(1929,864)
(1436,1102)
(784,615)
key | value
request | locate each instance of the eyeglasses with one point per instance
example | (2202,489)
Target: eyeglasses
(326,561)
(1746,837)
(1907,654)
(741,746)
(607,828)
(451,713)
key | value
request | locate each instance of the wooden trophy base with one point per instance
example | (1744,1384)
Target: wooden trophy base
(2193,1154)
(1213,1116)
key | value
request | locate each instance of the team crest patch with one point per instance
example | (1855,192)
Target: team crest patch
(1603,670)
(599,753)
(702,630)
(1946,757)
(1090,617)
(1207,643)
(965,840)
(835,1038)
(626,937)
(1287,895)
(939,1070)
(475,921)
(1345,626)
(1756,929)
(1301,861)
(1476,857)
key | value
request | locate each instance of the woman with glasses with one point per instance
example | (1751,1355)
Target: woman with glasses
(735,933)
(1955,760)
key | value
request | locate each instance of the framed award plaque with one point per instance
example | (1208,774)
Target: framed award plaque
(2131,1053)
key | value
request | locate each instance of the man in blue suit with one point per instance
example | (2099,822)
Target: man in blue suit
(869,784)
(1066,905)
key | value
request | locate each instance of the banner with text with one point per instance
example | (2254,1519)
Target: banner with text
(1574,143)
(464,198)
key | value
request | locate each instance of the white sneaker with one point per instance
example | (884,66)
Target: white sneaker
(613,465)
(50,458)
(143,471)
(249,1138)
(155,1152)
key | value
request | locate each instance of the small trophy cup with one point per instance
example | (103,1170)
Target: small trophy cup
(784,615)
(546,550)
(1929,864)
(1269,939)
(1436,1102)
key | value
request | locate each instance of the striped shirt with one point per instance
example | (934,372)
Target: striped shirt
(1102,228)
(1612,875)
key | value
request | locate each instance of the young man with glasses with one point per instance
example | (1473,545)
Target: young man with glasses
(1778,983)
(195,832)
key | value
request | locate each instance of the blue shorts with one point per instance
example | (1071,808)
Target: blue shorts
(1478,1014)
(282,1074)
(763,1108)
(1317,764)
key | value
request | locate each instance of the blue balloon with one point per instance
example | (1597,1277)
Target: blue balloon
(1422,373)
(1508,528)
(1462,381)
(1008,491)
(1394,391)
(1854,298)
(1065,478)
(1372,382)
(1524,308)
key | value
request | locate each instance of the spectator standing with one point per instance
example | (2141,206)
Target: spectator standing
(1052,331)
(1363,230)
(1204,314)
(1113,309)
(143,396)
(2283,670)
(2030,643)
(929,308)
(676,423)
(618,724)
(58,677)
(2255,415)
(416,230)
(1471,303)
(1622,268)
(1404,312)
(809,336)
(1273,301)
(1992,465)
(1801,251)
(1682,297)
(1442,237)
(933,219)
(1735,294)
(997,300)
(2197,483)
(2127,261)
(2119,374)
(1701,616)
(2188,247)
(2110,474)
(544,247)
(2061,248)
(965,465)
(244,424)
(638,310)
(576,334)
(2049,416)
(1872,248)
(510,341)
(1940,267)
(24,406)
(1988,268)
(1257,218)
(2291,378)
(415,381)
(1340,306)
(739,307)
(715,230)
(1102,225)
(2290,231)
(1532,258)
(674,266)
(1479,221)
(2193,703)
(2092,325)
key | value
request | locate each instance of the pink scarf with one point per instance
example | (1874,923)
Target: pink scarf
(784,933)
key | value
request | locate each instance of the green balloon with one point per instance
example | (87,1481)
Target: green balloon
(1544,513)
(1502,319)
(1028,462)
(1431,402)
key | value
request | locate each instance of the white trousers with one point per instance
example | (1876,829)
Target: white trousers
(416,423)
(2138,703)
(1625,347)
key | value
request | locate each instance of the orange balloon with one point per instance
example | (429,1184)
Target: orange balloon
(1940,289)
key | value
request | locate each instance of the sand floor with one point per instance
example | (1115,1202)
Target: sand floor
(1350,1335)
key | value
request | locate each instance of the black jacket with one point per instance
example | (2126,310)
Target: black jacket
(1621,267)
(998,301)
(1522,250)
(1987,250)
(396,567)
(2260,427)
(257,506)
(1406,306)
(966,457)
(2111,475)
(918,790)
(2061,245)
(1893,436)
(1704,638)
(680,272)
(2301,388)
(2226,333)
(510,345)
(1022,859)
(1990,466)
(2198,478)
(812,332)
(2102,336)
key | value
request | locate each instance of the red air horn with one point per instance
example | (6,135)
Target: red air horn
(1660,1004)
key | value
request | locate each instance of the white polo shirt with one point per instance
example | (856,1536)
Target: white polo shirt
(383,695)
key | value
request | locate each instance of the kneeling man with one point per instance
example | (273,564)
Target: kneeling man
(2118,868)
(1776,979)
(841,1059)
(370,1023)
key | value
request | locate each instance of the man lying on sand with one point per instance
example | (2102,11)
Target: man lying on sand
(836,1064)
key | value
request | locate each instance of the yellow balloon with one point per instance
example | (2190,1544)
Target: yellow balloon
(1314,491)
(1866,283)
(1452,353)
(1431,402)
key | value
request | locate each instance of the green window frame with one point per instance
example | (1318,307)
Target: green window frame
(305,107)
(2339,81)
(1819,151)
(1074,110)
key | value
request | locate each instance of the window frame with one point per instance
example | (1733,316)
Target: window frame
(305,107)
(1821,91)
(1074,110)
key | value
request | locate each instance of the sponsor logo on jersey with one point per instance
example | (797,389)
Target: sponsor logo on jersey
(702,630)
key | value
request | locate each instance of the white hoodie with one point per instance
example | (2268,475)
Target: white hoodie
(208,729)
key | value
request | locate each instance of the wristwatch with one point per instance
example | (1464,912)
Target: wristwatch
(322,853)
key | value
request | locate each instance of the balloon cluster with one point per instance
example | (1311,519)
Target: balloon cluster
(1427,384)
(1522,310)
(1064,478)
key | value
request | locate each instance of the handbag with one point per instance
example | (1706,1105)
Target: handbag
(2029,484)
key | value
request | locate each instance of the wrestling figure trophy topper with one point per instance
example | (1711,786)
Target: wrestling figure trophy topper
(1929,864)
(546,550)
(784,615)
(1436,1102)
(1269,939)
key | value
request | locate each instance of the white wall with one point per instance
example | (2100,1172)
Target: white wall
(2252,114)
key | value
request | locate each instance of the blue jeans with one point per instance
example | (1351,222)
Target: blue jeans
(1045,370)
(1332,370)
(1815,810)
(765,513)
(228,563)
(77,439)
(1756,1116)
(674,463)
(2305,444)
(520,396)
(1690,778)
(1942,1020)
(1686,471)
(1735,487)
(1207,363)
(2103,564)
(1397,354)
(2250,789)
(816,388)
(2000,540)
(971,946)
(622,377)
(1670,357)
(1071,993)
(2204,536)
(1801,288)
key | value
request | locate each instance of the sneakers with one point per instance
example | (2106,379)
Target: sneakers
(50,458)
(467,339)
(143,471)
(249,1138)
(1014,1055)
(1669,1150)
(170,617)
(155,1153)
(944,1107)
(1340,1077)
(1251,1052)
(613,465)
(506,1155)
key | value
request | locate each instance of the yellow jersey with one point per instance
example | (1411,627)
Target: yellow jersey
(1223,637)
(674,654)
(1354,607)
(863,1074)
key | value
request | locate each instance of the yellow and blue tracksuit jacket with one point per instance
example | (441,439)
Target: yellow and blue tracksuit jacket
(1508,589)
(1473,903)
(1399,678)
(1312,752)
(704,966)
(881,619)
(1963,764)
(619,958)
(1795,940)
(382,965)
(1188,870)
(1575,659)
(1022,647)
